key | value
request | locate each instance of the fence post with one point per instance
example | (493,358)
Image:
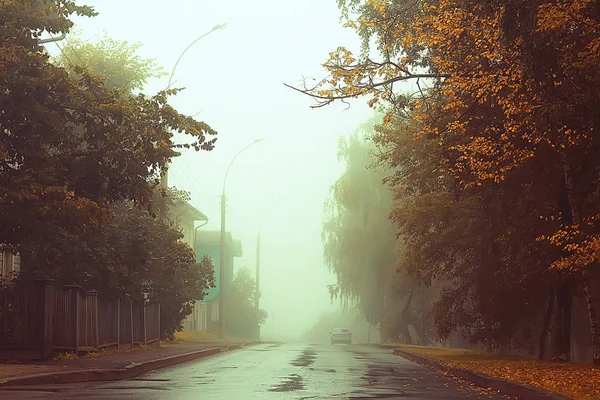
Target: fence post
(118,323)
(91,299)
(44,298)
(144,322)
(72,293)
(130,305)
(158,330)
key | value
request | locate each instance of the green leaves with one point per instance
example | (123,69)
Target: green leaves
(242,315)
(71,143)
(115,61)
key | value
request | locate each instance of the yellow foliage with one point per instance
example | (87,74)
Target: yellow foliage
(486,95)
(578,381)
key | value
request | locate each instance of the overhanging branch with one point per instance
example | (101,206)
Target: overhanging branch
(362,89)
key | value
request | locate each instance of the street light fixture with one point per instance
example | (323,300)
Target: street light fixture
(222,244)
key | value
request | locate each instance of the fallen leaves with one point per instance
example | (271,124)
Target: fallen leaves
(578,381)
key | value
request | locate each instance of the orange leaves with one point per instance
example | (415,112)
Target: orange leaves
(578,381)
(580,248)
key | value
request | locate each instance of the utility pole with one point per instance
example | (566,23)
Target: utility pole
(223,252)
(257,288)
(257,295)
(222,256)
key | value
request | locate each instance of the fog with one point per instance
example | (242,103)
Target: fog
(233,80)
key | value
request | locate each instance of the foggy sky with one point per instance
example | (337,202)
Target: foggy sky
(235,78)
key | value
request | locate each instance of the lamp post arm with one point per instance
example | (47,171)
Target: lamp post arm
(231,163)
(215,28)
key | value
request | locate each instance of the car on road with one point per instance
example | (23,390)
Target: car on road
(341,335)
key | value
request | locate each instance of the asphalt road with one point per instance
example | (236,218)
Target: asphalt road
(276,371)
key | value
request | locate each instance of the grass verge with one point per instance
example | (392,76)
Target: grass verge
(195,336)
(578,381)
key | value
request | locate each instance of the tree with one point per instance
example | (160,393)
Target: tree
(137,254)
(242,316)
(360,241)
(512,88)
(71,146)
(116,61)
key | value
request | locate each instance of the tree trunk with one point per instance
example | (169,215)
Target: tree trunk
(405,332)
(595,329)
(589,298)
(546,326)
(562,324)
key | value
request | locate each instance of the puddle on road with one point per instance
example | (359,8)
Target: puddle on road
(322,369)
(381,396)
(305,359)
(292,383)
(141,387)
(380,370)
(150,380)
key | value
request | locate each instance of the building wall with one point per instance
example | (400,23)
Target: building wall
(188,232)
(213,252)
(9,263)
(211,299)
(198,319)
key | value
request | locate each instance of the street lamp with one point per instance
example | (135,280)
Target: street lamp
(215,28)
(222,245)
(257,295)
(164,176)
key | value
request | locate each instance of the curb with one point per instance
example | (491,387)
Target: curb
(382,345)
(504,386)
(116,374)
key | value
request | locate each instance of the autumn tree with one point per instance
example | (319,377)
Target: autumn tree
(505,89)
(474,247)
(71,146)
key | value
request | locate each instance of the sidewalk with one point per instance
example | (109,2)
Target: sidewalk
(527,378)
(124,362)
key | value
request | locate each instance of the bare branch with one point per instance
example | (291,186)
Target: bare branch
(364,89)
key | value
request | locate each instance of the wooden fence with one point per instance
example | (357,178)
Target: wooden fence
(40,319)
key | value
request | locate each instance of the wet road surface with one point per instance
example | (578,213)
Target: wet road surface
(276,371)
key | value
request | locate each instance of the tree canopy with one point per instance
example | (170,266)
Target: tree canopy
(495,150)
(117,61)
(80,156)
(71,145)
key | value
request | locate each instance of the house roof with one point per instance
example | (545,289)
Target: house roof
(213,238)
(186,211)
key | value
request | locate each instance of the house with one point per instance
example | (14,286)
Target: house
(208,243)
(185,217)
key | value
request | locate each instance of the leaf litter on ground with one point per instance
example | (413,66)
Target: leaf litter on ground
(575,380)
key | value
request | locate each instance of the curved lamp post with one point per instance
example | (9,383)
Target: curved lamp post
(215,28)
(164,175)
(222,252)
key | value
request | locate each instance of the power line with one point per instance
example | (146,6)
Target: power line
(196,177)
(201,193)
(84,64)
